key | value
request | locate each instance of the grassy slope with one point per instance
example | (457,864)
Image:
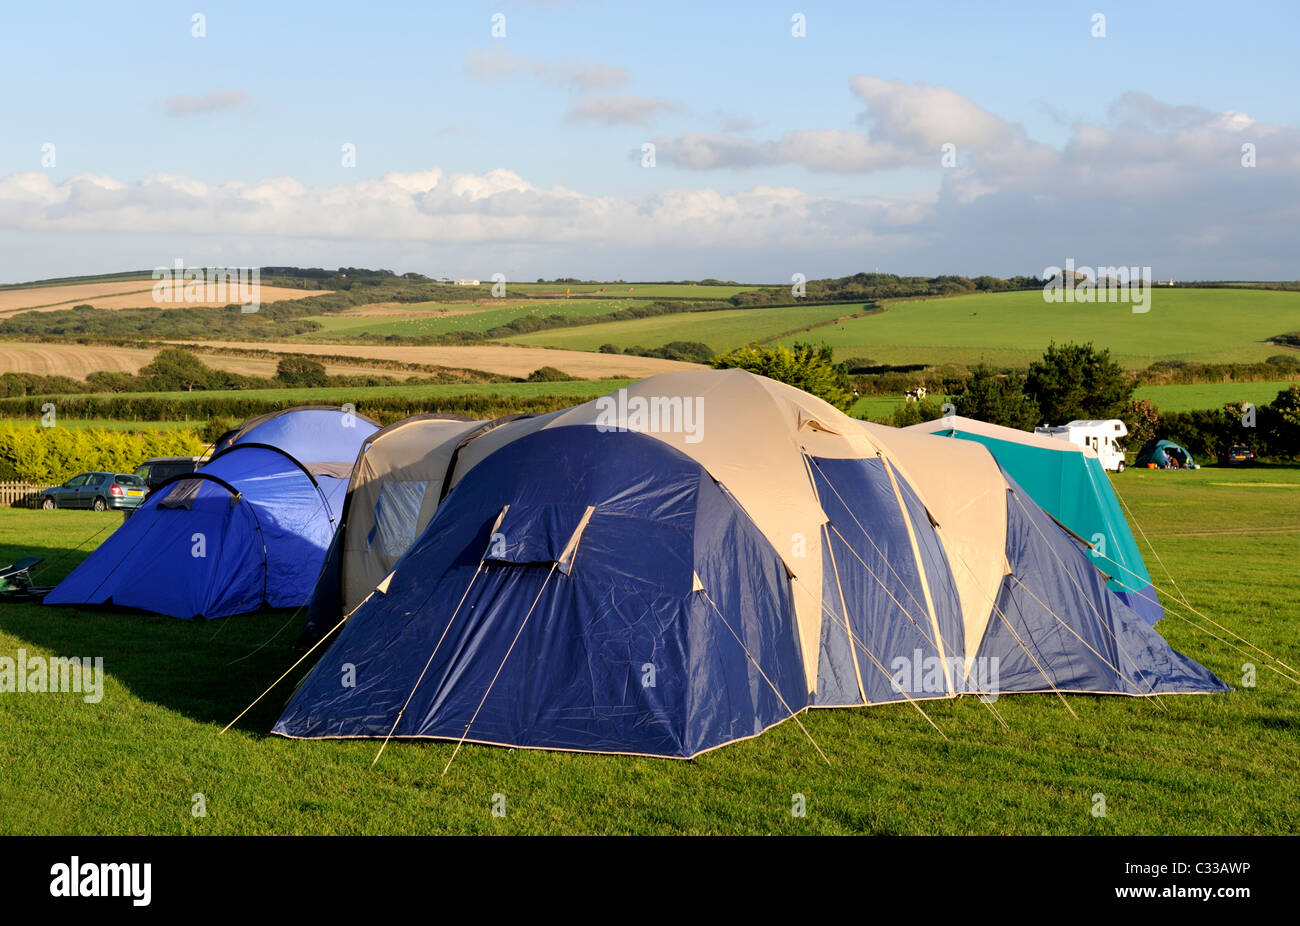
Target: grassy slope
(1014,328)
(722,330)
(1176,398)
(1182,398)
(1220,764)
(433,322)
(638,290)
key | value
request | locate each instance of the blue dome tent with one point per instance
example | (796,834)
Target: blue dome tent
(249,528)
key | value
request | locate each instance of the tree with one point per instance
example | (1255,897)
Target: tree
(996,398)
(1076,381)
(910,413)
(173,369)
(805,366)
(1142,419)
(1280,422)
(301,371)
(548,375)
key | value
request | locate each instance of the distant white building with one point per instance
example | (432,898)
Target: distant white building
(467,283)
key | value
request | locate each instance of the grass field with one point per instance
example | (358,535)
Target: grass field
(506,360)
(426,319)
(1216,764)
(1183,398)
(633,290)
(1011,329)
(1175,398)
(722,330)
(882,406)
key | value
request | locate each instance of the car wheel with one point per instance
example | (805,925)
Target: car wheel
(1120,468)
(99,505)
(47,503)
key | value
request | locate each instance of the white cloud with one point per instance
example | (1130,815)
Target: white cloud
(440,207)
(216,100)
(619,109)
(495,64)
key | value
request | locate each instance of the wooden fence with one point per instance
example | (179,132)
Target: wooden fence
(21,494)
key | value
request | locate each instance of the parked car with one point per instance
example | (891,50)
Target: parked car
(157,470)
(1238,455)
(96,491)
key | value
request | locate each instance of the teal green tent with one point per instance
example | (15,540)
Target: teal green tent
(1164,453)
(1068,482)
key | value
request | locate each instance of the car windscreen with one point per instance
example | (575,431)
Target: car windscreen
(134,482)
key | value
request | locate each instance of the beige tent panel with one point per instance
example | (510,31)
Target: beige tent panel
(405,464)
(964,490)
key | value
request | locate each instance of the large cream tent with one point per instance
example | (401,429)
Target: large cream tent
(704,554)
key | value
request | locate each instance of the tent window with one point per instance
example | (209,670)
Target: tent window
(396,514)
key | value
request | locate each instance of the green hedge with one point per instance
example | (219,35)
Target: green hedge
(384,409)
(31,453)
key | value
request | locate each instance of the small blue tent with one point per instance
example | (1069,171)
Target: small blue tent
(250,528)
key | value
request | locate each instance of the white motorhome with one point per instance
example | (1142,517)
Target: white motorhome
(1101,436)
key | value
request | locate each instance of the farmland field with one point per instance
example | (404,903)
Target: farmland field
(1186,397)
(79,360)
(1011,329)
(492,358)
(423,319)
(1180,397)
(634,290)
(123,294)
(722,330)
(1220,764)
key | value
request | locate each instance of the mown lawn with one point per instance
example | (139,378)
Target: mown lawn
(1212,764)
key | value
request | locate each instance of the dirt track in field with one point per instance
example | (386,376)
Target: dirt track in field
(507,361)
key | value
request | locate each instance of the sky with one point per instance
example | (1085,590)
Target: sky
(741,141)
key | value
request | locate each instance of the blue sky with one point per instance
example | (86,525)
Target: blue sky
(775,154)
